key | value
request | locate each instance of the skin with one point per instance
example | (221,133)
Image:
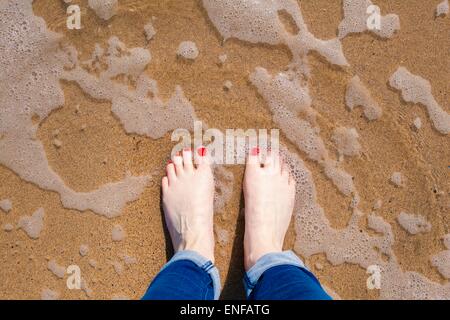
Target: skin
(188,197)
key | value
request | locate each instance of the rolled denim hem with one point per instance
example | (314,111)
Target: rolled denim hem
(202,263)
(266,262)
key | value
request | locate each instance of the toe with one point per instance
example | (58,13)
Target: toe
(202,158)
(171,175)
(165,184)
(253,158)
(187,160)
(178,163)
(272,162)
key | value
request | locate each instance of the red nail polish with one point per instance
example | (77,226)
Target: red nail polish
(201,151)
(169,162)
(255,151)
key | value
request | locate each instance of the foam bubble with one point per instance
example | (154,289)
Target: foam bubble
(6,205)
(398,179)
(8,227)
(104,9)
(223,58)
(47,294)
(118,233)
(84,250)
(358,95)
(33,225)
(259,22)
(188,50)
(356,19)
(93,263)
(58,270)
(442,8)
(227,85)
(417,123)
(413,223)
(442,260)
(346,140)
(149,31)
(416,89)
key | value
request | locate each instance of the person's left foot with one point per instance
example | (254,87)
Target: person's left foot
(188,201)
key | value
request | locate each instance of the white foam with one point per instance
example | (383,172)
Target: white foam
(6,205)
(415,89)
(47,294)
(104,9)
(259,22)
(149,30)
(223,58)
(351,245)
(140,111)
(398,179)
(84,250)
(188,50)
(442,260)
(118,233)
(8,227)
(287,97)
(442,8)
(356,19)
(358,95)
(58,270)
(34,90)
(413,223)
(417,123)
(346,140)
(93,263)
(227,85)
(33,225)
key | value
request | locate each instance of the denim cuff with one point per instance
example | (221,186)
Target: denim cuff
(203,263)
(266,262)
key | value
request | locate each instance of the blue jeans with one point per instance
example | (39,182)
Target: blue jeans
(275,276)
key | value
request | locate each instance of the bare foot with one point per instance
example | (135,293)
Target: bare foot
(269,201)
(188,196)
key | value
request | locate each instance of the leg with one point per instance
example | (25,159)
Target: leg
(188,196)
(269,202)
(289,281)
(182,280)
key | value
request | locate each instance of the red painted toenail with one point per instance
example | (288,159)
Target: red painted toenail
(201,151)
(255,151)
(169,162)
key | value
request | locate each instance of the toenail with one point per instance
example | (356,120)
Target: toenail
(255,151)
(187,149)
(169,162)
(201,151)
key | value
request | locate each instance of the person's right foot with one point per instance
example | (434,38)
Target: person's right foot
(269,193)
